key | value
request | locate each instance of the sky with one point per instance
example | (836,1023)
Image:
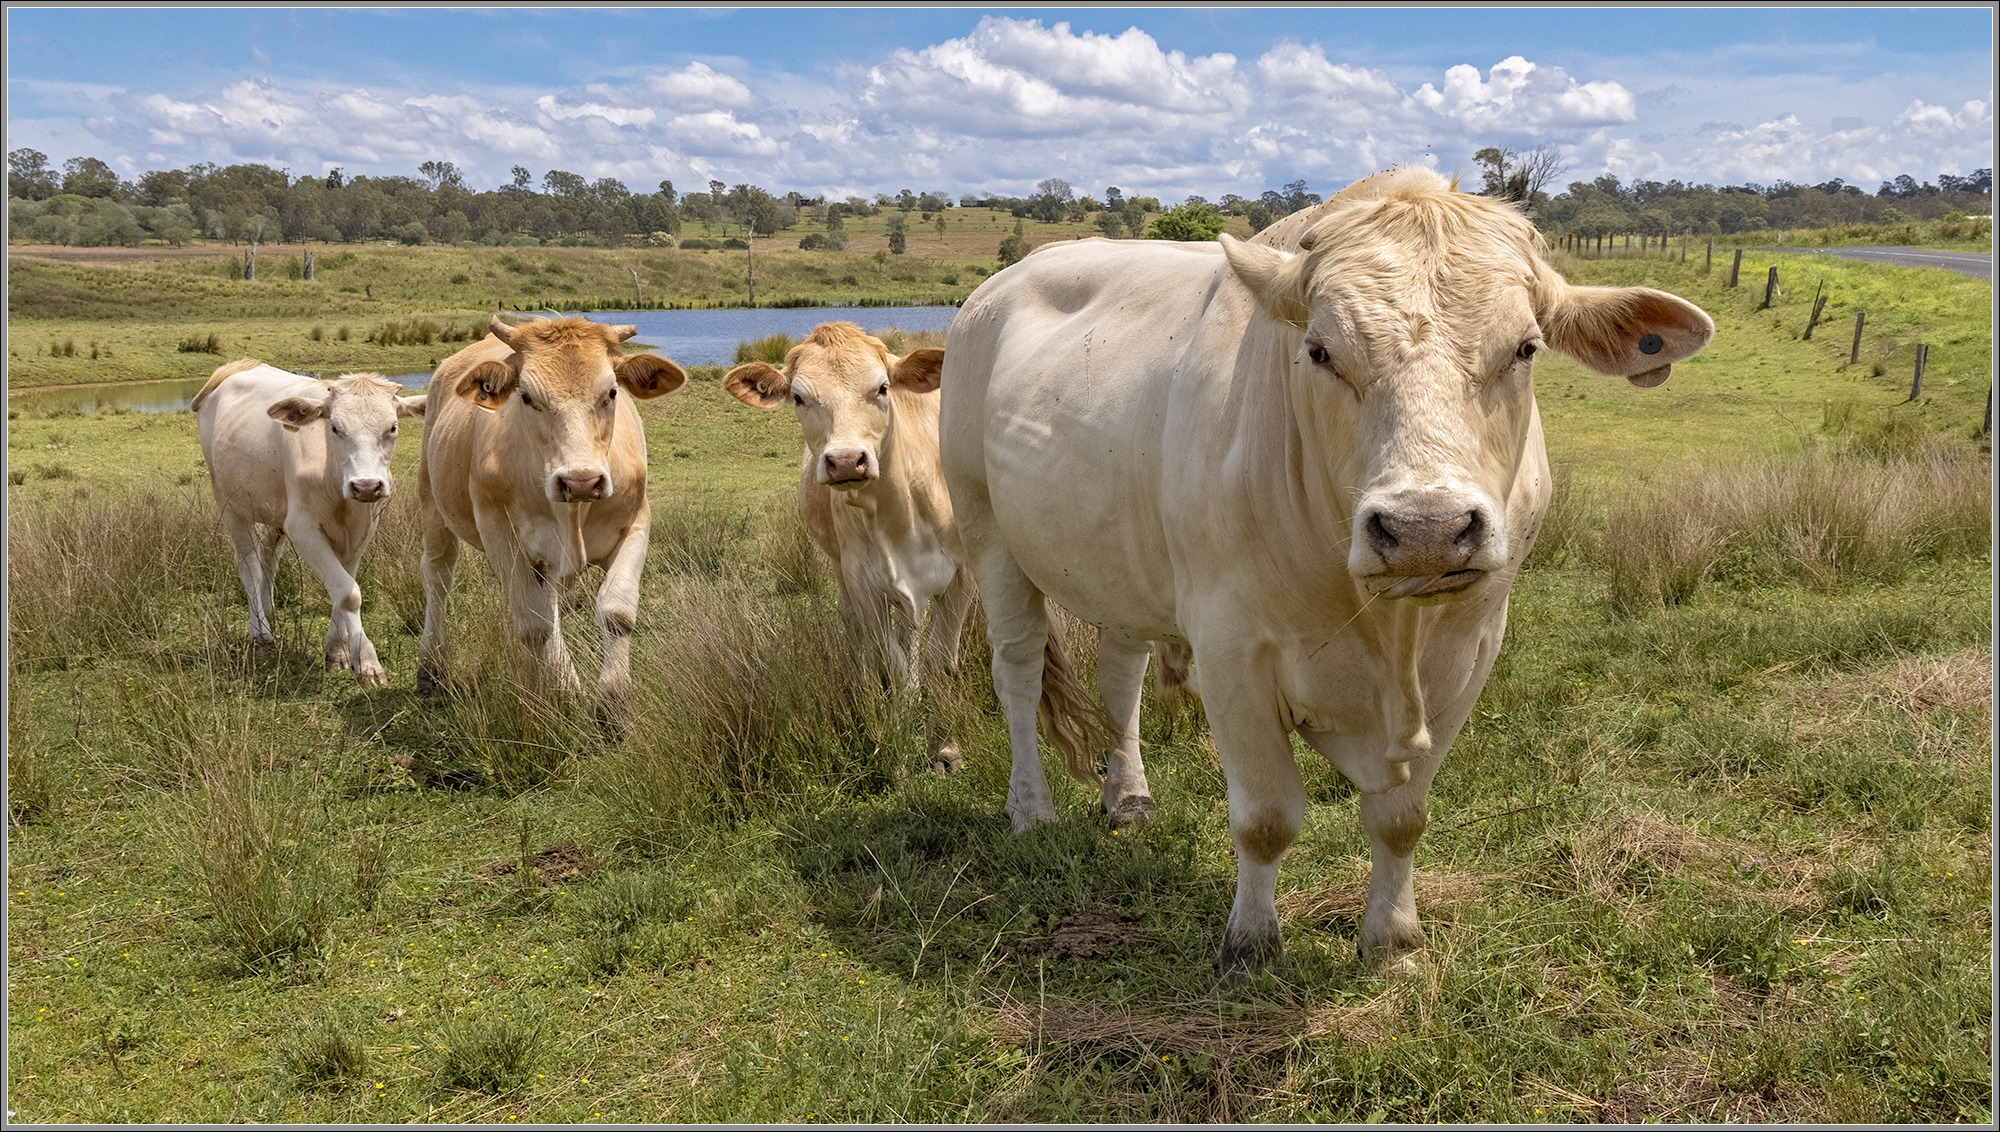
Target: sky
(985,100)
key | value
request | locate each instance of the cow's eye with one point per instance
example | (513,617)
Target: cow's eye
(1318,354)
(884,391)
(798,400)
(1527,351)
(611,396)
(392,430)
(335,428)
(529,402)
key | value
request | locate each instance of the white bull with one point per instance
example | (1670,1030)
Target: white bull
(1317,461)
(291,457)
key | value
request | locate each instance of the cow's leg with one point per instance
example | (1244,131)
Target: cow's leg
(1017,622)
(534,598)
(346,645)
(1267,800)
(1395,819)
(439,562)
(270,543)
(617,616)
(249,551)
(939,663)
(1121,672)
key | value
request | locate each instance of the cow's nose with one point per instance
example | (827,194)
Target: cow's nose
(366,491)
(584,486)
(848,466)
(1414,544)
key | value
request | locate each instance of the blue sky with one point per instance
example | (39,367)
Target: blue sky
(1164,101)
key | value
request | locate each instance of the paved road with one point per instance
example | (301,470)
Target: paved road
(1965,263)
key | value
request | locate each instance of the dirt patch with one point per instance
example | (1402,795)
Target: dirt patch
(560,862)
(1085,935)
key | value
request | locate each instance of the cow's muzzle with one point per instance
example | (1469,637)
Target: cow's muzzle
(367,490)
(1415,543)
(580,487)
(1433,585)
(850,468)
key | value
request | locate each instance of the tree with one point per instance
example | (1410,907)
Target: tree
(1055,187)
(1187,222)
(28,175)
(1013,249)
(1258,215)
(437,174)
(898,235)
(522,179)
(89,177)
(1111,223)
(940,226)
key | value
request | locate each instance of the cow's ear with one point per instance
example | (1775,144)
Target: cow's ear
(1276,278)
(758,384)
(919,371)
(295,411)
(1635,333)
(411,406)
(648,375)
(488,384)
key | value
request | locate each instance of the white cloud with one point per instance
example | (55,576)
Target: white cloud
(1014,101)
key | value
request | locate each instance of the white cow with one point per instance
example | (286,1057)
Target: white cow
(294,457)
(1316,461)
(872,496)
(532,455)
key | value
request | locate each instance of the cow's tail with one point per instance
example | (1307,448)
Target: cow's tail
(222,373)
(1173,676)
(1075,720)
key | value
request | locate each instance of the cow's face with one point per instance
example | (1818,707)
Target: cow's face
(1417,319)
(840,382)
(358,416)
(559,394)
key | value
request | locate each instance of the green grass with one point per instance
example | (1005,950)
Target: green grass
(1727,857)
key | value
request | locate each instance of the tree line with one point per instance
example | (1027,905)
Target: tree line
(87,203)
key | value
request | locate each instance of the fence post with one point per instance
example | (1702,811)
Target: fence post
(1708,263)
(1736,267)
(1986,429)
(635,285)
(1854,355)
(1917,381)
(1684,247)
(1819,304)
(1771,286)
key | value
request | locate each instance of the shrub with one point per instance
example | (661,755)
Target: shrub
(460,279)
(344,334)
(487,1054)
(771,349)
(1013,250)
(317,333)
(199,344)
(322,1054)
(733,244)
(696,243)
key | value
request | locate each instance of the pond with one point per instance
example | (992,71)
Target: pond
(691,338)
(709,338)
(138,396)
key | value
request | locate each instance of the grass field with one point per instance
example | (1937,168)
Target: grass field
(1716,846)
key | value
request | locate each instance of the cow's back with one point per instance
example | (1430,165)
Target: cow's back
(250,458)
(1058,376)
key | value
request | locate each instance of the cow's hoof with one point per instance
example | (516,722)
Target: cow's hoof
(610,713)
(1245,953)
(1391,948)
(427,680)
(947,760)
(371,678)
(1133,812)
(263,646)
(1027,820)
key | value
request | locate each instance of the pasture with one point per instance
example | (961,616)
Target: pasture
(1716,846)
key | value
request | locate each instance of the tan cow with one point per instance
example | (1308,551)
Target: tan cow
(535,454)
(1317,461)
(872,496)
(292,457)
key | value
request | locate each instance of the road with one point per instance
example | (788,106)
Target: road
(1965,263)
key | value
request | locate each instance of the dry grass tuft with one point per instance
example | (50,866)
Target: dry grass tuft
(1438,895)
(1203,1028)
